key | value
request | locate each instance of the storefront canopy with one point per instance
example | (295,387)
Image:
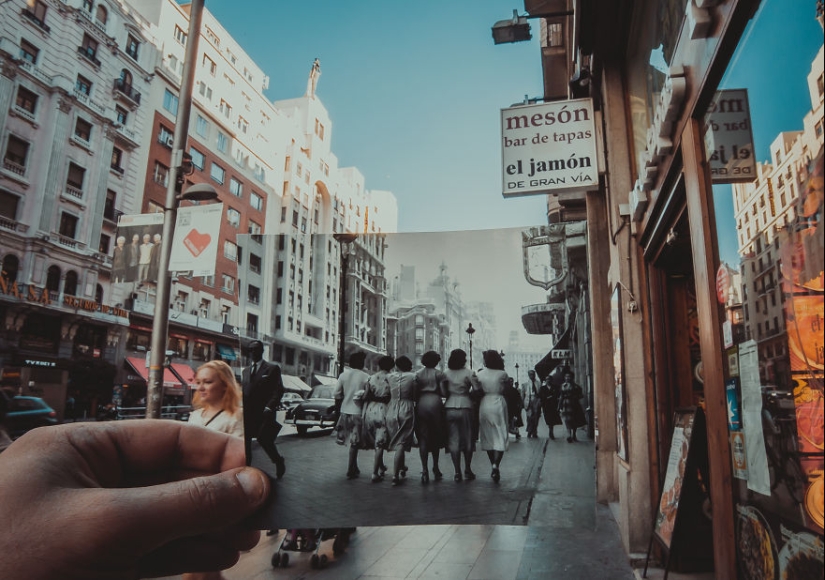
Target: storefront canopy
(548,364)
(325,380)
(227,352)
(184,372)
(295,384)
(139,366)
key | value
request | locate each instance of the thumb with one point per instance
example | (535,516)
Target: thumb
(159,514)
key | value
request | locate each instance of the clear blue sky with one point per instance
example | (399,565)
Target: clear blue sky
(413,90)
(772,62)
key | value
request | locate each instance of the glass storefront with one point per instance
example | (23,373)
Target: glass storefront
(763,135)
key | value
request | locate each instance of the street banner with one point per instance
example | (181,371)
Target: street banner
(549,148)
(195,245)
(136,255)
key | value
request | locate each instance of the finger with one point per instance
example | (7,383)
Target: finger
(153,516)
(188,555)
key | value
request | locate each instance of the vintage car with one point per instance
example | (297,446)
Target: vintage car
(317,411)
(289,400)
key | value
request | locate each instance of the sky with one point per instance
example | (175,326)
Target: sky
(414,92)
(772,61)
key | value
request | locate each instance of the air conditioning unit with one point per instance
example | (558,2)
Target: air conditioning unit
(170,141)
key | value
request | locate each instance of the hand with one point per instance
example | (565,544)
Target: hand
(125,500)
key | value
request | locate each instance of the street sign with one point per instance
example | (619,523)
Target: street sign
(561,353)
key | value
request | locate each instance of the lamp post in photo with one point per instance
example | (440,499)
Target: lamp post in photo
(470,331)
(160,324)
(517,381)
(346,241)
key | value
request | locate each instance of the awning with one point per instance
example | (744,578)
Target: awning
(293,383)
(139,365)
(548,364)
(325,380)
(184,372)
(227,352)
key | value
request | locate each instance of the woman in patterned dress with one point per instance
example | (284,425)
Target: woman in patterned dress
(401,414)
(459,409)
(376,399)
(430,423)
(493,424)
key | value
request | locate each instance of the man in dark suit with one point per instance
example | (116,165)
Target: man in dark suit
(262,392)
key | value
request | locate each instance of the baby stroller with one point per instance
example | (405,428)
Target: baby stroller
(309,540)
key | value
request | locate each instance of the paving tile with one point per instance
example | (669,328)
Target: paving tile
(496,565)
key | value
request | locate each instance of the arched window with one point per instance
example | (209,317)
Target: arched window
(11,264)
(53,279)
(125,79)
(88,5)
(70,285)
(99,294)
(101,15)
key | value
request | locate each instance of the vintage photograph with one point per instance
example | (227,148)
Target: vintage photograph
(414,399)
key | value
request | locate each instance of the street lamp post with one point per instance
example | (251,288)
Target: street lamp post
(344,239)
(517,381)
(160,324)
(470,331)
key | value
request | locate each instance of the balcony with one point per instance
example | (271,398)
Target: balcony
(12,225)
(35,71)
(89,54)
(33,18)
(117,169)
(127,91)
(73,191)
(13,167)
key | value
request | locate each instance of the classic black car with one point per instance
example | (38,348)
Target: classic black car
(317,411)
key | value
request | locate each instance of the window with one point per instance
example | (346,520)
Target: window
(17,153)
(75,177)
(254,228)
(202,127)
(209,65)
(88,5)
(180,35)
(109,205)
(170,102)
(217,173)
(319,129)
(283,215)
(101,16)
(198,158)
(253,294)
(28,51)
(204,90)
(230,250)
(117,160)
(68,225)
(243,125)
(89,49)
(132,47)
(226,109)
(255,263)
(295,218)
(36,12)
(83,85)
(222,142)
(165,136)
(233,216)
(104,244)
(227,283)
(161,174)
(122,115)
(256,201)
(252,324)
(235,187)
(83,130)
(26,100)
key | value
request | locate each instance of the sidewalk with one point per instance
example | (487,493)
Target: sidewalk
(568,536)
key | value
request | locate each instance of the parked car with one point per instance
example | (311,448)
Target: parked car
(317,411)
(289,400)
(26,413)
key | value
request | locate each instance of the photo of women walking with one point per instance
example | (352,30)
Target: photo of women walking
(570,406)
(460,382)
(401,415)
(549,396)
(348,393)
(430,423)
(376,399)
(493,419)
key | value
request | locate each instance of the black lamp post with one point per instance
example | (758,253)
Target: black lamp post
(470,331)
(344,239)
(517,373)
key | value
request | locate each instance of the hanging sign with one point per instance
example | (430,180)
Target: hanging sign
(549,148)
(729,139)
(195,245)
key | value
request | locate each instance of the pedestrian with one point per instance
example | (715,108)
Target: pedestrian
(119,260)
(549,398)
(461,381)
(217,399)
(570,406)
(514,407)
(217,404)
(430,423)
(348,393)
(493,429)
(532,403)
(145,258)
(401,415)
(263,388)
(376,399)
(133,259)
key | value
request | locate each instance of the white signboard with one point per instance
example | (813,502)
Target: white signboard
(561,353)
(729,139)
(549,148)
(195,245)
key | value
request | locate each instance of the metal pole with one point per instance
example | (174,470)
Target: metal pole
(342,292)
(160,324)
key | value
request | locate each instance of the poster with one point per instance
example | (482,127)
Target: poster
(758,476)
(618,375)
(195,245)
(136,255)
(674,477)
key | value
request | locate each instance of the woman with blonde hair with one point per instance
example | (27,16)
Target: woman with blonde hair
(217,400)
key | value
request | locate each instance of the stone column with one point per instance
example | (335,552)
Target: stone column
(7,75)
(54,171)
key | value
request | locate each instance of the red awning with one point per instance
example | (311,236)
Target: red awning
(139,365)
(185,372)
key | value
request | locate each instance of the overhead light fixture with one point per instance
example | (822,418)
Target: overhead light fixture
(516,29)
(200,192)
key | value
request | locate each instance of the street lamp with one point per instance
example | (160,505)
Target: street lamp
(470,331)
(160,324)
(517,373)
(345,239)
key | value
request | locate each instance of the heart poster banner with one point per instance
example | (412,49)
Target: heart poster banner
(195,245)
